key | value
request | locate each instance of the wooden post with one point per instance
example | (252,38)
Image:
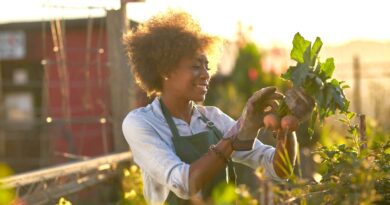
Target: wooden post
(45,155)
(266,192)
(362,131)
(2,116)
(121,81)
(357,84)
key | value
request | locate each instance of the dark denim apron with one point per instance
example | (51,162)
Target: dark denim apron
(191,148)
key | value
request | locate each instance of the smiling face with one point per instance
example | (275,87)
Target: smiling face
(190,80)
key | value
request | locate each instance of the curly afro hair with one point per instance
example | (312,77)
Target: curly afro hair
(156,47)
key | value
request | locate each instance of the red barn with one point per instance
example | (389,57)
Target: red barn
(55,92)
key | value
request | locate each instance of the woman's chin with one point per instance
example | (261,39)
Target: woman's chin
(199,98)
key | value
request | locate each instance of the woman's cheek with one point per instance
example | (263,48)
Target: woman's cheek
(196,72)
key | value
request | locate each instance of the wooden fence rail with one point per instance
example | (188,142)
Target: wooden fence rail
(45,185)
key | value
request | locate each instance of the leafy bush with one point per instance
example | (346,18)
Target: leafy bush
(132,187)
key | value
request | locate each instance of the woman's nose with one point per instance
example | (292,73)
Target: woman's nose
(205,72)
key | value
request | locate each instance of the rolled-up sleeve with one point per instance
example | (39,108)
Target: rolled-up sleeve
(155,156)
(261,155)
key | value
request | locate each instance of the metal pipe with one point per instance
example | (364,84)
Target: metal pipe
(61,170)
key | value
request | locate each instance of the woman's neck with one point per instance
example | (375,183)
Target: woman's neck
(181,109)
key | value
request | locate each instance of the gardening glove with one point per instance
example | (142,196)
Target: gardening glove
(244,132)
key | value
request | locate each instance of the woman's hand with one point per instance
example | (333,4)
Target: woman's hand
(260,104)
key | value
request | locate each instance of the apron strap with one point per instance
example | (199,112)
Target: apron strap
(169,119)
(218,133)
(210,125)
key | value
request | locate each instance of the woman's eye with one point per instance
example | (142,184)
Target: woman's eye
(197,67)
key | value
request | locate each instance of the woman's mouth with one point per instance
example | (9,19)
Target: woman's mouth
(203,87)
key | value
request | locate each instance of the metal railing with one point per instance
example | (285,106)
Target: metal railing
(45,185)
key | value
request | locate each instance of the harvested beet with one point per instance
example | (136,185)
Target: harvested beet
(290,123)
(272,121)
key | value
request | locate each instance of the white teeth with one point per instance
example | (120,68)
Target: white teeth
(202,86)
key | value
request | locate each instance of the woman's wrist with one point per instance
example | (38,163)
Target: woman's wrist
(226,146)
(223,149)
(219,153)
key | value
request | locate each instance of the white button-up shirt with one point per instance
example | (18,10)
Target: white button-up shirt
(150,140)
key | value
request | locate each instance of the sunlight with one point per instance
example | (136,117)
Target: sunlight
(273,22)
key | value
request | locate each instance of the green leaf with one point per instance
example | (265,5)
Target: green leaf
(317,70)
(328,95)
(288,74)
(345,87)
(323,113)
(335,83)
(296,74)
(224,194)
(354,132)
(319,82)
(350,115)
(343,120)
(346,105)
(300,45)
(338,96)
(331,154)
(299,74)
(315,50)
(387,151)
(328,67)
(309,86)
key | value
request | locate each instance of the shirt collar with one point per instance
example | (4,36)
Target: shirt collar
(156,107)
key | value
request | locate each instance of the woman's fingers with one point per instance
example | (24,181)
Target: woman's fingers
(262,93)
(266,90)
(270,106)
(277,96)
(265,94)
(261,103)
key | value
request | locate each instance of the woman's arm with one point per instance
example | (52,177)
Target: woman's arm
(159,160)
(208,166)
(155,156)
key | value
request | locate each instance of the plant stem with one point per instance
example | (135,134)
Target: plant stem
(283,109)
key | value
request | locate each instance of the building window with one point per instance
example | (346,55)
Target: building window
(19,107)
(20,76)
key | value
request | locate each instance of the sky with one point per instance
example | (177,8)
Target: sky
(274,23)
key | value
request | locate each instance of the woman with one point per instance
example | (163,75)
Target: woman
(184,148)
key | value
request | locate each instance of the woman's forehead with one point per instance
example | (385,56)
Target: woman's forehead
(197,58)
(201,57)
